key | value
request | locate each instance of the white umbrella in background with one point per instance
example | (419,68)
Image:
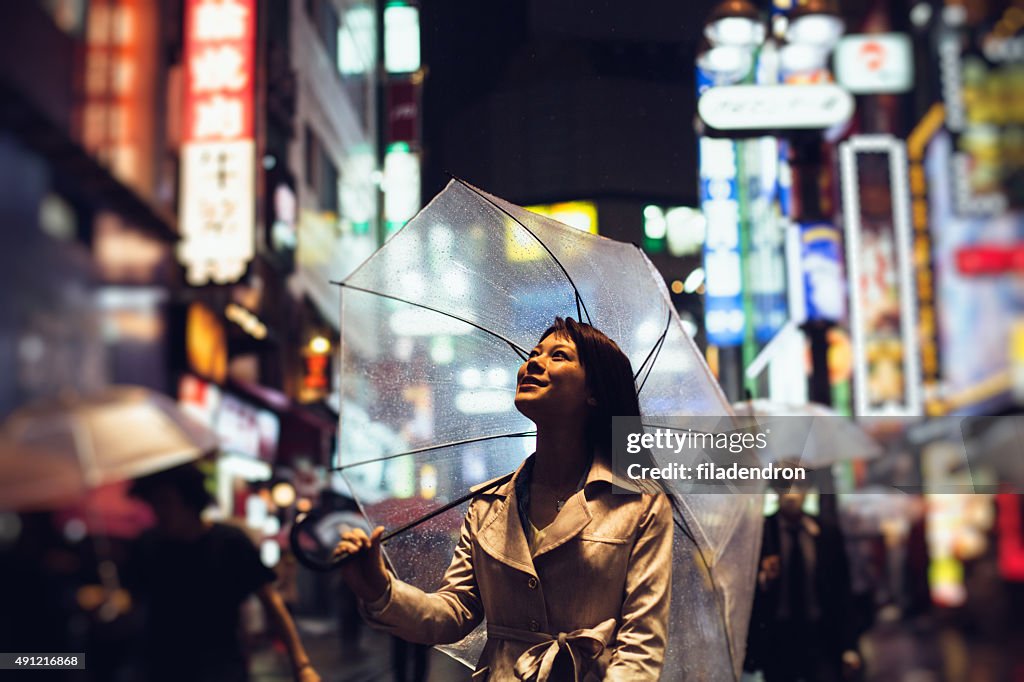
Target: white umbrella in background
(34,480)
(811,434)
(120,433)
(999,447)
(117,434)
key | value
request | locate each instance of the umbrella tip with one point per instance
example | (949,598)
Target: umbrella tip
(453,176)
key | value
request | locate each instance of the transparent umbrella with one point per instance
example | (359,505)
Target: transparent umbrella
(434,327)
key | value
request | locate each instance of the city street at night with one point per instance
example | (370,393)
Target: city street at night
(409,341)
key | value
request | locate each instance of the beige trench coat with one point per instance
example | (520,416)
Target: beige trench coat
(597,588)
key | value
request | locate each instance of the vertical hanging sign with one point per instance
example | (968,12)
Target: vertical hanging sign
(216,211)
(724,317)
(879,256)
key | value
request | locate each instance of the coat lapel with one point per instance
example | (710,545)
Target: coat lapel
(573,518)
(576,514)
(502,534)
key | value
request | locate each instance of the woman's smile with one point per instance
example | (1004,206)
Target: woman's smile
(552,382)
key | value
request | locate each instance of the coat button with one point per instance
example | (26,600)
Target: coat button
(534,626)
(532,583)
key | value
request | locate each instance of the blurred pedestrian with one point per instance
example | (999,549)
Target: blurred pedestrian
(802,627)
(38,576)
(192,577)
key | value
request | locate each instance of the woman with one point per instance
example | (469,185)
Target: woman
(569,560)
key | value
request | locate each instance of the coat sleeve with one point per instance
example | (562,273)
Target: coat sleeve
(638,650)
(440,617)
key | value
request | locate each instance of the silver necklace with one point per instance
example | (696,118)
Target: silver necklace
(579,486)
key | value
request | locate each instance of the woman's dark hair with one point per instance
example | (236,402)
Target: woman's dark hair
(609,378)
(187,480)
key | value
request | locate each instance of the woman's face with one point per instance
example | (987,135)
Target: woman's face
(552,383)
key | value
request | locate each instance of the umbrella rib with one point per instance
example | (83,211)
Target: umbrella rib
(579,299)
(652,356)
(440,510)
(520,351)
(651,352)
(520,434)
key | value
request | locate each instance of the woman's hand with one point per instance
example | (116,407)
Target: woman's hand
(364,571)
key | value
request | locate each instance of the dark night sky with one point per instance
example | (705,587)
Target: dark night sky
(474,50)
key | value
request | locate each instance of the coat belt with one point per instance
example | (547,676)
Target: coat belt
(535,663)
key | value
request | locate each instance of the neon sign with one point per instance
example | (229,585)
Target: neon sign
(927,327)
(883,315)
(771,107)
(724,316)
(217,159)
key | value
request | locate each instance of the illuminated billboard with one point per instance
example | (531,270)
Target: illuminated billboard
(883,302)
(217,157)
(724,316)
(520,246)
(875,63)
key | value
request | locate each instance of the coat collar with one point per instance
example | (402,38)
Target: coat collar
(601,472)
(502,534)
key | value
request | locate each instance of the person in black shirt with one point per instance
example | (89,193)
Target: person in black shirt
(191,577)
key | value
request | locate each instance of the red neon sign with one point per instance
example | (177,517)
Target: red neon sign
(1011,537)
(990,259)
(316,372)
(219,59)
(873,54)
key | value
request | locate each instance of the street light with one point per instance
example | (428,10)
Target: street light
(319,345)
(816,23)
(802,58)
(728,63)
(735,23)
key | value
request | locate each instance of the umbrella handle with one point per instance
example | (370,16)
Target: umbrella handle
(301,556)
(321,566)
(313,564)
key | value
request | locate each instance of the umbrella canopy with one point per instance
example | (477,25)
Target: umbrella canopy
(123,432)
(812,434)
(434,327)
(868,509)
(999,447)
(33,480)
